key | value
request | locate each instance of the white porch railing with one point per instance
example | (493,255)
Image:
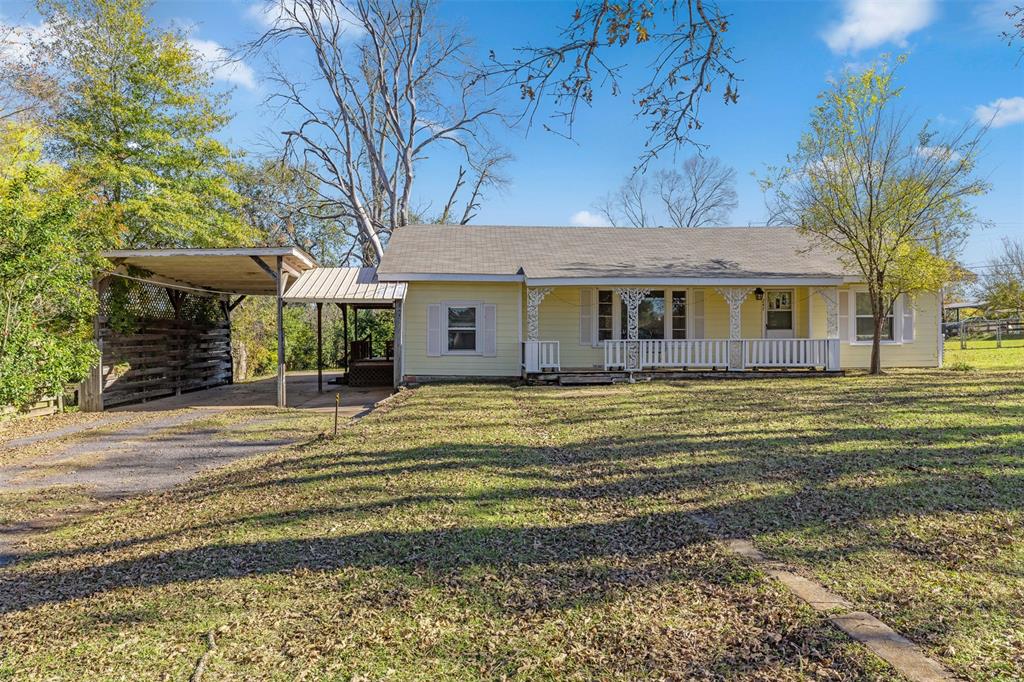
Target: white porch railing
(541,355)
(668,353)
(785,353)
(714,353)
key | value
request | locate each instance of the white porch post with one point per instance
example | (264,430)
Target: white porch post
(735,296)
(534,295)
(531,348)
(831,297)
(632,297)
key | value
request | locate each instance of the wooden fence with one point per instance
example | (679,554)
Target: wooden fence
(41,408)
(164,357)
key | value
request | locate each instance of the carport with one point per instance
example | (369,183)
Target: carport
(184,357)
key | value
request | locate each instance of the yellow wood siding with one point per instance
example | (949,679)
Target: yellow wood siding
(560,321)
(559,316)
(506,299)
(923,351)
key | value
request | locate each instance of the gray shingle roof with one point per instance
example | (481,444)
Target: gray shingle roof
(577,252)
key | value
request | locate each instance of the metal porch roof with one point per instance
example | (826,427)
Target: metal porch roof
(343,285)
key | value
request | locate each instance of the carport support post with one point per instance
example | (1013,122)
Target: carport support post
(319,348)
(344,333)
(281,400)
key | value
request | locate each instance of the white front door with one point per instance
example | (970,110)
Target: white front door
(778,314)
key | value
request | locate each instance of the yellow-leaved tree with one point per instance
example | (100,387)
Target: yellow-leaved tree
(892,203)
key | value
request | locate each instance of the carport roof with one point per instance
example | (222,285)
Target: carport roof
(234,271)
(343,285)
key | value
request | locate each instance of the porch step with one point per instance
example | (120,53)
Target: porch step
(588,379)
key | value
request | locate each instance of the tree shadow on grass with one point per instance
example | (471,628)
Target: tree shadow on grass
(835,473)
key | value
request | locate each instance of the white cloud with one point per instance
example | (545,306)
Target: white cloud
(588,219)
(16,41)
(1002,112)
(223,68)
(869,23)
(265,14)
(938,152)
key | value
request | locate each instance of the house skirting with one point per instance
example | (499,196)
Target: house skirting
(600,376)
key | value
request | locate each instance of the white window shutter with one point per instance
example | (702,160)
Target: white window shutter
(586,317)
(844,315)
(434,330)
(489,342)
(908,319)
(698,313)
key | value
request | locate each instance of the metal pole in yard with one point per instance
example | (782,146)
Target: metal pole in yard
(999,336)
(963,341)
(337,402)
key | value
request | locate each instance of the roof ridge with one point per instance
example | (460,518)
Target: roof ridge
(605,227)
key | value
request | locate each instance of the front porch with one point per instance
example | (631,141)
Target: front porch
(797,328)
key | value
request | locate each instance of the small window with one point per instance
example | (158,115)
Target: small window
(779,310)
(461,328)
(678,314)
(866,322)
(604,315)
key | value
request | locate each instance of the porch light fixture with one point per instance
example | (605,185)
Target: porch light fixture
(759,294)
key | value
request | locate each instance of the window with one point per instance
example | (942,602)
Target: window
(604,315)
(778,310)
(650,315)
(462,327)
(865,321)
(678,314)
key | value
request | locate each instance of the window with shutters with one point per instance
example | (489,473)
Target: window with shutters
(678,314)
(605,311)
(461,327)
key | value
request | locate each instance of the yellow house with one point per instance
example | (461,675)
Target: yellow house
(494,302)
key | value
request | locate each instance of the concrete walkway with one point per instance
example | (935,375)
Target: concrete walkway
(902,654)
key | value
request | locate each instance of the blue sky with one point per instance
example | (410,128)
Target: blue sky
(957,67)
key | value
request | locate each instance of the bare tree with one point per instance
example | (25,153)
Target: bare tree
(1002,283)
(1016,31)
(486,170)
(26,88)
(688,59)
(629,205)
(704,193)
(392,86)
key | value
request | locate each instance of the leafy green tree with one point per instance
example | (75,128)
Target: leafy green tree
(136,123)
(280,202)
(49,238)
(892,205)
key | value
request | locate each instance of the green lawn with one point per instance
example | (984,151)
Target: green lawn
(541,533)
(983,355)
